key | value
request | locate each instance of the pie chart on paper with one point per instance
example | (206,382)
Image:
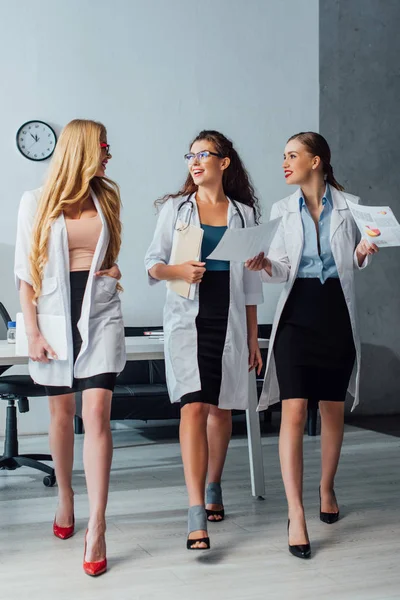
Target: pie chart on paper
(372,232)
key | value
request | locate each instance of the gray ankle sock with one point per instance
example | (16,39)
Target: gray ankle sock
(214,493)
(197,518)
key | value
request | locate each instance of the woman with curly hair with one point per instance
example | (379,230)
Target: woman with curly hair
(211,336)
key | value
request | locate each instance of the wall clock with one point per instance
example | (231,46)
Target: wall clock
(36,140)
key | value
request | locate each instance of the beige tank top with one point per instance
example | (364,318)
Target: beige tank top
(83,235)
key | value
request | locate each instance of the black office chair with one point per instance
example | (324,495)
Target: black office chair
(17,388)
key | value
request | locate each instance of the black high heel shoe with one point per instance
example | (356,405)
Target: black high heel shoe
(325,517)
(301,550)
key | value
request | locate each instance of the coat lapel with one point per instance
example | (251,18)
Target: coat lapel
(196,216)
(104,238)
(339,204)
(233,218)
(295,226)
(59,240)
(294,202)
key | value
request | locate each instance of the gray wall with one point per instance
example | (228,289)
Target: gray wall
(360,117)
(155,72)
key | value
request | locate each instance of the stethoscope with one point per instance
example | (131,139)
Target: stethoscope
(189,201)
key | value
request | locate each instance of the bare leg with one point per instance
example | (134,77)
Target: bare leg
(219,431)
(332,426)
(294,414)
(97,456)
(194,448)
(61,439)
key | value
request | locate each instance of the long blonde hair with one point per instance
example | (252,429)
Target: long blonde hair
(71,177)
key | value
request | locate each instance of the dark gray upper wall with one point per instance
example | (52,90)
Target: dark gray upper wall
(360,117)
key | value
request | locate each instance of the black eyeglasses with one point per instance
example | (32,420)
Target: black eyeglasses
(190,157)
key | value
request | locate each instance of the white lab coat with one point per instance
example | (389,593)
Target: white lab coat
(101,325)
(285,254)
(180,313)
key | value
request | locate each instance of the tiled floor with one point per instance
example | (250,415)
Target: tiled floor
(358,558)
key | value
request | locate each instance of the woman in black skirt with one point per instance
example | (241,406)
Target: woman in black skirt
(314,348)
(68,238)
(210,336)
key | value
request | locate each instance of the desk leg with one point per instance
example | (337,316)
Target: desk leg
(254,440)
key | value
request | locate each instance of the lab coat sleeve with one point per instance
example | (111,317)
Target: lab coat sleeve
(252,284)
(25,222)
(277,253)
(160,248)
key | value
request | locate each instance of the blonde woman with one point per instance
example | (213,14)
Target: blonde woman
(68,239)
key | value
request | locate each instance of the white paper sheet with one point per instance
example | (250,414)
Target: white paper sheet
(52,328)
(377,224)
(238,245)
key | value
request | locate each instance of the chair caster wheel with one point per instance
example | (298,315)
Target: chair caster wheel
(49,480)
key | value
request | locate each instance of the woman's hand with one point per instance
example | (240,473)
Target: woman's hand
(255,360)
(364,249)
(192,271)
(258,263)
(113,272)
(39,350)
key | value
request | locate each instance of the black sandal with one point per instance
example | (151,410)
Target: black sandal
(214,496)
(197,520)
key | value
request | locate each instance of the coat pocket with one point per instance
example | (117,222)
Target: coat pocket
(105,289)
(48,301)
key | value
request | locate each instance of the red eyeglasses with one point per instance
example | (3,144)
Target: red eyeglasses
(105,146)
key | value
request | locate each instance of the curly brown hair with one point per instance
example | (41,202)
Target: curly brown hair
(235,180)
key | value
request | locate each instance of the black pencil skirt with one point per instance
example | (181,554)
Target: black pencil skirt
(211,324)
(78,281)
(314,347)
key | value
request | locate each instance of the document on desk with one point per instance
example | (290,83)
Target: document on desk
(238,245)
(377,224)
(186,245)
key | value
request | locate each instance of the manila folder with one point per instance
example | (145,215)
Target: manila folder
(186,246)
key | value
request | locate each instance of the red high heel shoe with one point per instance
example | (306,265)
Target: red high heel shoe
(94,569)
(64,532)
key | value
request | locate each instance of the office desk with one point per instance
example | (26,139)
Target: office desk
(147,348)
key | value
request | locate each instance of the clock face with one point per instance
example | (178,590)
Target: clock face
(36,140)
